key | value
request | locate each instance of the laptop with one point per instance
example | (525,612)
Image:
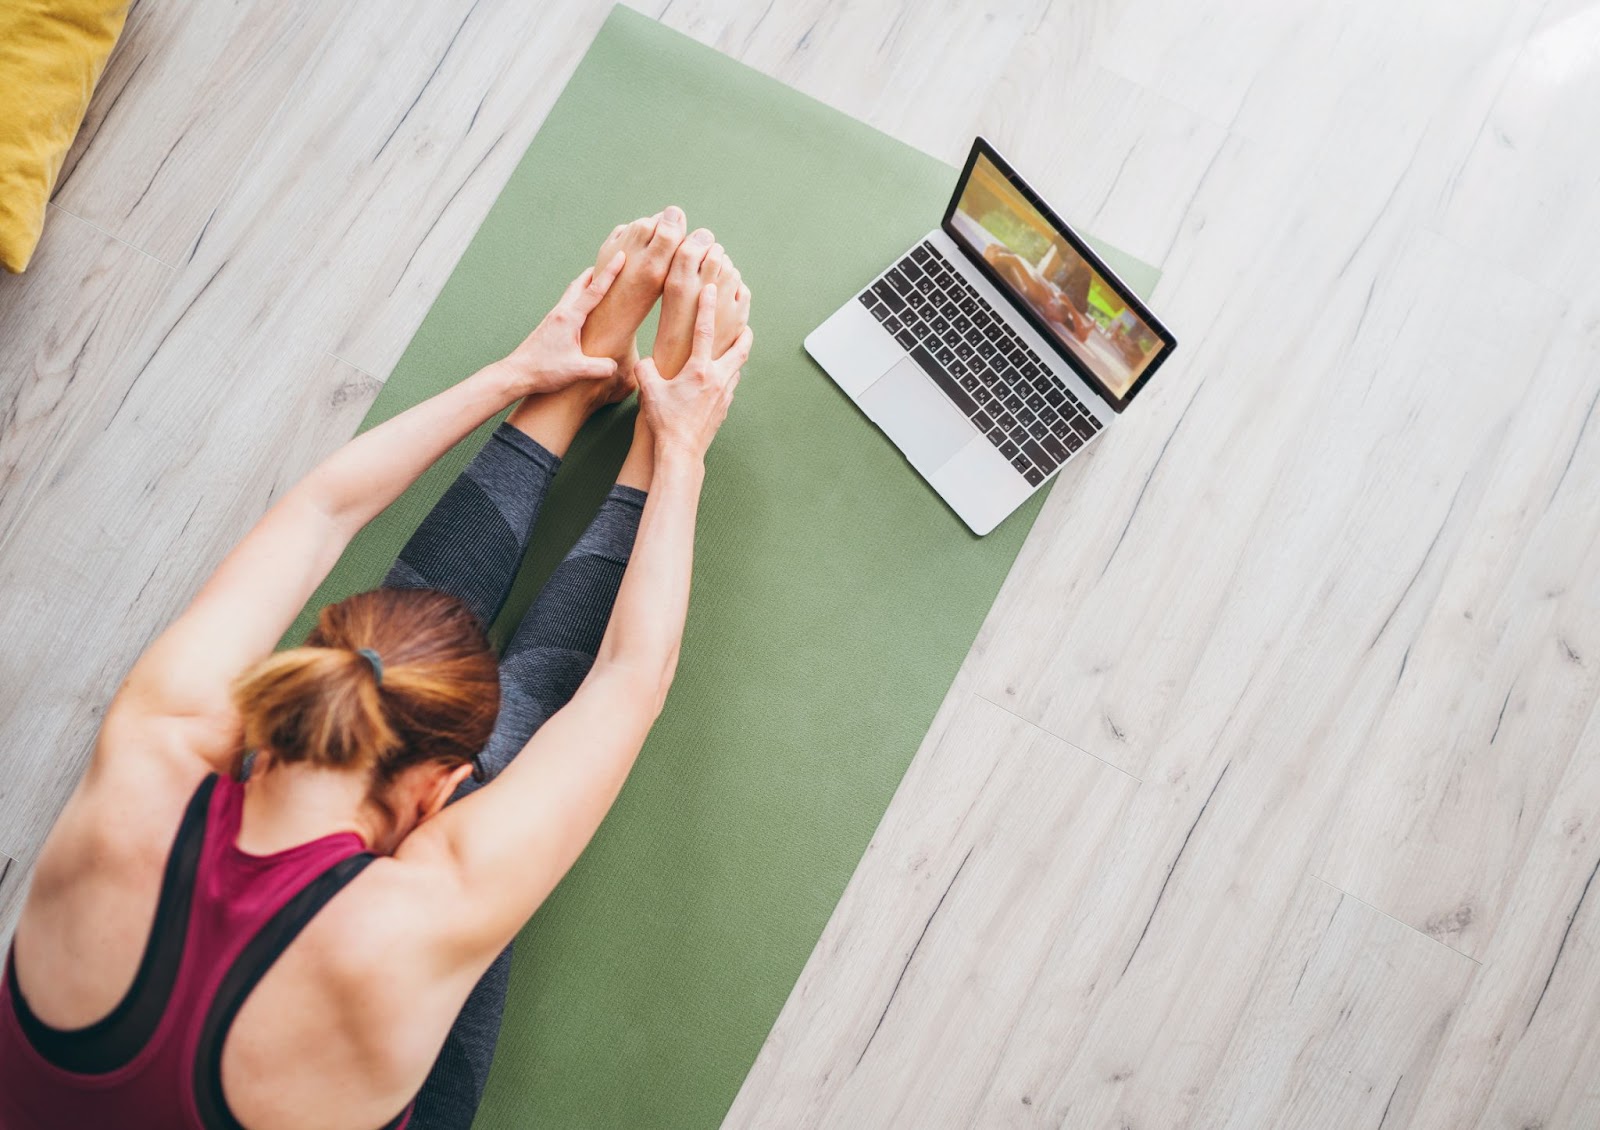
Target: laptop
(995,349)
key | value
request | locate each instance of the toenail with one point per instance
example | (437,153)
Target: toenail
(674,214)
(700,238)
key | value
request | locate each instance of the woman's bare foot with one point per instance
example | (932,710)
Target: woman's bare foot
(649,244)
(699,261)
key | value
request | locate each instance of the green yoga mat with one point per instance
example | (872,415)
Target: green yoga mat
(835,595)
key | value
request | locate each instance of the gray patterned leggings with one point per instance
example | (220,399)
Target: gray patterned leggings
(471,545)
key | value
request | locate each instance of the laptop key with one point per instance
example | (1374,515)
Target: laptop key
(984,421)
(906,338)
(1073,441)
(1020,462)
(1058,450)
(1083,427)
(889,296)
(997,436)
(1034,476)
(1009,449)
(1040,456)
(944,380)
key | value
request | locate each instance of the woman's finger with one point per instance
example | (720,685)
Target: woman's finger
(598,368)
(648,376)
(705,324)
(733,359)
(575,287)
(590,294)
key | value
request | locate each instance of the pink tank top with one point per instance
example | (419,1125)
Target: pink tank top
(155,1061)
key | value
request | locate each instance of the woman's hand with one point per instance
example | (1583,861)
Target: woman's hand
(685,412)
(552,357)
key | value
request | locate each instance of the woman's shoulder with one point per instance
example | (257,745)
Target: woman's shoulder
(123,808)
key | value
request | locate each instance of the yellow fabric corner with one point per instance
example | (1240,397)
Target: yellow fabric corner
(51,55)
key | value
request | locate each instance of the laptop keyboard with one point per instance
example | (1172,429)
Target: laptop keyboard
(985,369)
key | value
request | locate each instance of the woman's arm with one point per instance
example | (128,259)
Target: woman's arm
(249,602)
(500,851)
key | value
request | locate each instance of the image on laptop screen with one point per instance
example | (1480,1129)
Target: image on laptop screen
(1081,309)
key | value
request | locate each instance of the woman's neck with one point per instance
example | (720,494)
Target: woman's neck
(287,805)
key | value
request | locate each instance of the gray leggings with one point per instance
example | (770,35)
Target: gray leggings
(471,545)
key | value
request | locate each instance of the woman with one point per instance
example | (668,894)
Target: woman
(300,951)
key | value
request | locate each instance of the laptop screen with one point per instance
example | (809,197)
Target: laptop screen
(1069,295)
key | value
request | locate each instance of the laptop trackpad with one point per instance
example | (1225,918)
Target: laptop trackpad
(911,410)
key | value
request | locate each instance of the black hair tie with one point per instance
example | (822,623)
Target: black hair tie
(373,661)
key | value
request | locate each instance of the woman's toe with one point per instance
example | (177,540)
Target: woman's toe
(686,261)
(640,230)
(665,239)
(711,264)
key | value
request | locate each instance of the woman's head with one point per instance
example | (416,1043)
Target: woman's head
(323,705)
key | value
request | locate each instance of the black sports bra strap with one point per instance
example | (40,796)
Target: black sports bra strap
(115,1039)
(246,972)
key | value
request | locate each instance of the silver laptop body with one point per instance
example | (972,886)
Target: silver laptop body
(991,365)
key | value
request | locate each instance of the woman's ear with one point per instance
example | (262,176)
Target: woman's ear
(444,787)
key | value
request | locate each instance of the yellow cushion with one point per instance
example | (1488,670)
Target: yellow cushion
(51,55)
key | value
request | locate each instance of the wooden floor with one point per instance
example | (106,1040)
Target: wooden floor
(1270,794)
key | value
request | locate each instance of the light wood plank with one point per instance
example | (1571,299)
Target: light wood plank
(1524,1048)
(1501,681)
(1344,1025)
(1526,185)
(66,326)
(186,98)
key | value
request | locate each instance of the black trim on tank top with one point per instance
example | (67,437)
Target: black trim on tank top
(246,972)
(115,1039)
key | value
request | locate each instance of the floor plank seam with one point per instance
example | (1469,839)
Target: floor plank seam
(1056,736)
(1401,921)
(353,365)
(54,207)
(1562,299)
